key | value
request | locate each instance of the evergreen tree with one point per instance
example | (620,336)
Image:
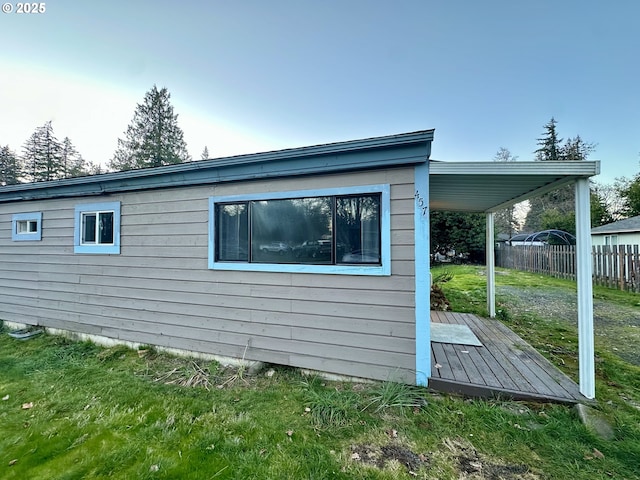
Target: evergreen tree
(9,167)
(459,231)
(43,155)
(205,154)
(556,209)
(549,144)
(73,165)
(153,137)
(629,192)
(91,168)
(505,220)
(600,212)
(576,149)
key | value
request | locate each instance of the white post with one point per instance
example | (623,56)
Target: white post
(491,266)
(585,289)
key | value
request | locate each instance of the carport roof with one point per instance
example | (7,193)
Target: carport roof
(490,186)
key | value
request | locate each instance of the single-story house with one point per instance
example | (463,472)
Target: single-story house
(622,232)
(314,257)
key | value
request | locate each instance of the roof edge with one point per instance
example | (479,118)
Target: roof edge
(286,162)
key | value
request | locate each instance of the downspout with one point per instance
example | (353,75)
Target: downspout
(585,289)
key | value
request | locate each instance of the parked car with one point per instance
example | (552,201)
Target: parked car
(313,249)
(275,247)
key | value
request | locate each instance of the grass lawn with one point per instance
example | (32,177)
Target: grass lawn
(71,410)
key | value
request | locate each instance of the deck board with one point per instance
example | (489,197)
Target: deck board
(504,365)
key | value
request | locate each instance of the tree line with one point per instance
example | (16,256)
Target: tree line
(153,138)
(43,158)
(555,210)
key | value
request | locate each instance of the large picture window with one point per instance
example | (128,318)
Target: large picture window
(97,228)
(332,231)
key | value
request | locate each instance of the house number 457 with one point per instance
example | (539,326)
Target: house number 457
(421,202)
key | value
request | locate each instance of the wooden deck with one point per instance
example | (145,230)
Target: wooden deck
(505,365)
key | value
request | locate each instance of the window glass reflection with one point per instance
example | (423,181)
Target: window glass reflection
(89,227)
(358,229)
(106,228)
(310,230)
(232,232)
(291,231)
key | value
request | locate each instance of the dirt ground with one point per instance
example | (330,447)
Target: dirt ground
(470,464)
(615,326)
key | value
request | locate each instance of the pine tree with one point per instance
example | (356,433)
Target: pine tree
(9,167)
(576,149)
(73,164)
(205,154)
(556,209)
(43,155)
(505,220)
(549,144)
(153,137)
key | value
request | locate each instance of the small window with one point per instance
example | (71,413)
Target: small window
(322,231)
(97,228)
(611,240)
(26,227)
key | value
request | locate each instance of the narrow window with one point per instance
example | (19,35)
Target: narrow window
(26,227)
(232,241)
(358,229)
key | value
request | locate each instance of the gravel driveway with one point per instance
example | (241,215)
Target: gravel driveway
(616,327)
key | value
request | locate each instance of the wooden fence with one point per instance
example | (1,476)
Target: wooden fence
(616,266)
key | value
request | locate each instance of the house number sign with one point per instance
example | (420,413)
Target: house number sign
(421,202)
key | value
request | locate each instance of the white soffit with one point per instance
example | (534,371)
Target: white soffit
(490,186)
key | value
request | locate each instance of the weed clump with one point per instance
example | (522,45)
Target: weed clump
(329,407)
(386,395)
(439,300)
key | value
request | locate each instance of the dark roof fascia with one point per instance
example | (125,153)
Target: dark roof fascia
(379,152)
(626,225)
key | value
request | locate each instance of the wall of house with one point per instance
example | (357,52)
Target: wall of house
(623,238)
(160,291)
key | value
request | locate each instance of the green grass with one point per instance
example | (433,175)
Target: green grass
(108,413)
(617,381)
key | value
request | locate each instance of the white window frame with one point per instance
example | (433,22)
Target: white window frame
(81,211)
(611,240)
(30,218)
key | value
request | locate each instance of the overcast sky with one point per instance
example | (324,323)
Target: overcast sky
(249,76)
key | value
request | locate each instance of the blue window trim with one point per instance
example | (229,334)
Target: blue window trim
(385,233)
(26,237)
(77,230)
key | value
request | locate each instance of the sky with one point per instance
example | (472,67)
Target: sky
(248,76)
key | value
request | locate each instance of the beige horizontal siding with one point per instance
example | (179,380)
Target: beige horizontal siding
(160,291)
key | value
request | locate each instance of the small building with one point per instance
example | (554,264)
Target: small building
(314,257)
(622,232)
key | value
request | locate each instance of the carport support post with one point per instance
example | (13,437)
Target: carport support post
(491,266)
(585,289)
